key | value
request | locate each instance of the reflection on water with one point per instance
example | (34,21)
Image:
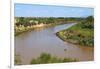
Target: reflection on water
(43,40)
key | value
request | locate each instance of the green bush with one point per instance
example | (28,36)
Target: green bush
(47,58)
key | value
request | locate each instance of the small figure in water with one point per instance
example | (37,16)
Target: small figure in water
(65,49)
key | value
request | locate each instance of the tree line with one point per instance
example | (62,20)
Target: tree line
(28,21)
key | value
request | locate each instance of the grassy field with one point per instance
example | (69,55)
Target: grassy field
(81,33)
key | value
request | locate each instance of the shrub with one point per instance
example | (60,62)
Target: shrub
(47,58)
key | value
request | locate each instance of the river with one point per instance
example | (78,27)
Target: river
(31,44)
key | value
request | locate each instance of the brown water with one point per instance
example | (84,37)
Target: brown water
(44,40)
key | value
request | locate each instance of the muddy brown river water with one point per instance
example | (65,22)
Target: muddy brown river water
(30,45)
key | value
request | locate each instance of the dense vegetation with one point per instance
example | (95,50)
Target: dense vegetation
(47,58)
(23,24)
(28,21)
(82,33)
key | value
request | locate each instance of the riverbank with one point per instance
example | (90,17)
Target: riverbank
(80,34)
(24,24)
(21,29)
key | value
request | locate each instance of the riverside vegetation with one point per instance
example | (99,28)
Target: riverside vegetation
(82,33)
(24,24)
(45,58)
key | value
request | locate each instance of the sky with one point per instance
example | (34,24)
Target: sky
(34,10)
